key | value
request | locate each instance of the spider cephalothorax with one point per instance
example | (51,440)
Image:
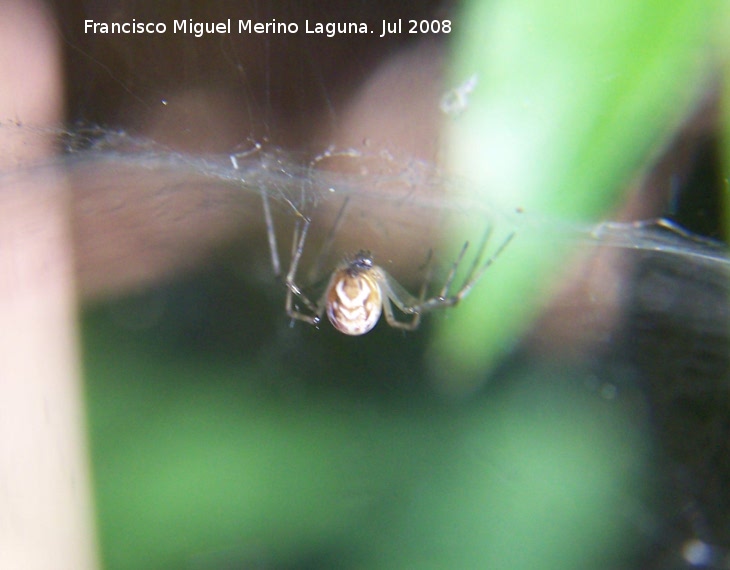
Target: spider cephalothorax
(363,261)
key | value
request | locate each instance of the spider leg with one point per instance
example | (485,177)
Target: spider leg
(474,264)
(452,273)
(271,234)
(475,273)
(471,281)
(292,288)
(313,319)
(395,323)
(396,295)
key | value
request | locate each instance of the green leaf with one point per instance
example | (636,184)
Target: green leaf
(572,100)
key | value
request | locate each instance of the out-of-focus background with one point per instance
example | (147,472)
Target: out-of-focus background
(569,413)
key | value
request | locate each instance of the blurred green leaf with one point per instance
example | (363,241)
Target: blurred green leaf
(194,461)
(539,478)
(572,100)
(198,467)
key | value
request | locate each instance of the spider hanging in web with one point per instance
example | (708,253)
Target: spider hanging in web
(359,291)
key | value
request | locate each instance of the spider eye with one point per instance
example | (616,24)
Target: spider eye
(362,262)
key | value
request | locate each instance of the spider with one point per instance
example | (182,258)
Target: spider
(359,291)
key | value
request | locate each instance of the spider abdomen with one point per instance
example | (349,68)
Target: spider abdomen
(354,302)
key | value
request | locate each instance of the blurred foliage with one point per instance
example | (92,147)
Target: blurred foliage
(209,459)
(572,103)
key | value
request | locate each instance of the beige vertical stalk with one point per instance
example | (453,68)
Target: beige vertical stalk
(46,516)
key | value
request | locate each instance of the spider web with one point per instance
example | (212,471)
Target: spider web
(171,144)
